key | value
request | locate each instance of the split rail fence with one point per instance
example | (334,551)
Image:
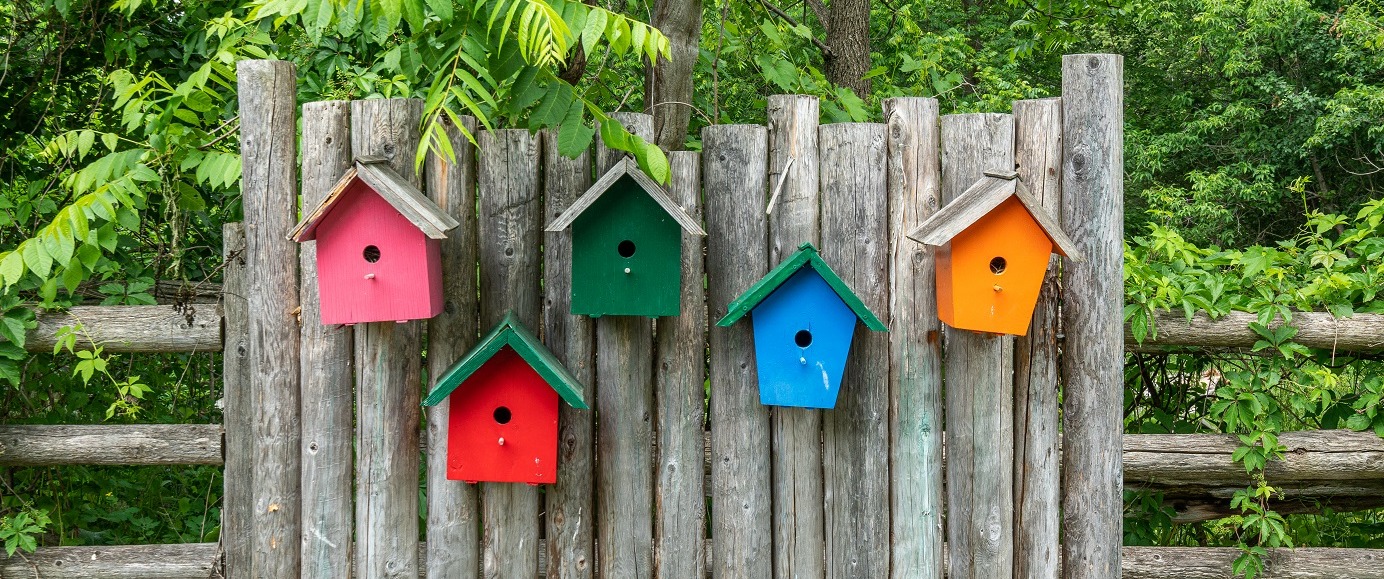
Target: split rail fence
(323,440)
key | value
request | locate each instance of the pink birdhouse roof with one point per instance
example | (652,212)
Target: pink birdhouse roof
(376,174)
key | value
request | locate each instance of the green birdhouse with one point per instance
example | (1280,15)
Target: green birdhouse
(626,246)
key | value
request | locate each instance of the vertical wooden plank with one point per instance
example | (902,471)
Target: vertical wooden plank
(1038,154)
(269,191)
(799,531)
(624,410)
(680,378)
(1093,355)
(510,211)
(237,499)
(855,454)
(326,365)
(734,170)
(388,380)
(979,393)
(571,517)
(453,549)
(915,340)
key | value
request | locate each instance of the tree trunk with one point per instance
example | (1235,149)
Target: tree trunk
(668,86)
(848,35)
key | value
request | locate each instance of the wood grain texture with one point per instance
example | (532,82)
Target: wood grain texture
(388,379)
(855,457)
(1360,332)
(679,389)
(571,516)
(187,561)
(1093,294)
(135,444)
(1215,563)
(915,342)
(176,328)
(795,217)
(237,499)
(510,217)
(326,379)
(734,169)
(269,191)
(624,410)
(453,540)
(1038,156)
(979,396)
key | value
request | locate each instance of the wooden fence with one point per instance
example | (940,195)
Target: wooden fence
(323,436)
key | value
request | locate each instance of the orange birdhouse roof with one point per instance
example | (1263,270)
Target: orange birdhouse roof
(979,200)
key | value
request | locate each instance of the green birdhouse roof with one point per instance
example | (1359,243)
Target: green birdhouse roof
(806,256)
(626,168)
(510,332)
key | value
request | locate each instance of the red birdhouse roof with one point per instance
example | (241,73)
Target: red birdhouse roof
(626,167)
(510,332)
(376,173)
(978,201)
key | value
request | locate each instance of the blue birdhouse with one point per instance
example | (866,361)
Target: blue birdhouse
(804,318)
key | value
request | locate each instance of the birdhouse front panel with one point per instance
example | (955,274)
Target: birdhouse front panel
(373,264)
(989,277)
(502,424)
(802,336)
(626,256)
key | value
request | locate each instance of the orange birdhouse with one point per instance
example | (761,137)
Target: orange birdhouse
(993,243)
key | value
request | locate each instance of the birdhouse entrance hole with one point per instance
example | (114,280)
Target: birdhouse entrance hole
(502,415)
(997,265)
(803,338)
(626,248)
(372,253)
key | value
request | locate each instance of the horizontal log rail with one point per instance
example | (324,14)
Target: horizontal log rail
(144,444)
(187,328)
(200,560)
(1358,333)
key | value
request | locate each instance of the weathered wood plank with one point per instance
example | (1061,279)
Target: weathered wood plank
(571,517)
(453,540)
(795,217)
(511,214)
(1360,332)
(855,435)
(915,342)
(979,396)
(388,379)
(734,168)
(269,191)
(237,500)
(680,378)
(184,328)
(624,406)
(1314,457)
(1093,293)
(1215,563)
(187,561)
(135,444)
(1038,156)
(326,379)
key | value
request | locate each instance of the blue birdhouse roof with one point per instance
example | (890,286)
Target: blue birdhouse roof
(806,257)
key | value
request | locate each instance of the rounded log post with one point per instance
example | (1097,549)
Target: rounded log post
(795,217)
(511,213)
(325,356)
(680,378)
(388,380)
(624,410)
(571,518)
(1093,296)
(855,455)
(453,549)
(1038,154)
(915,342)
(269,192)
(980,392)
(237,500)
(734,169)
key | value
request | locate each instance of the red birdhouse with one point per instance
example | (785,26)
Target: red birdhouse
(378,247)
(993,243)
(502,418)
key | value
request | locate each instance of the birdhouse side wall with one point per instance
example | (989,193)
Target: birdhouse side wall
(802,337)
(626,229)
(502,424)
(404,280)
(982,299)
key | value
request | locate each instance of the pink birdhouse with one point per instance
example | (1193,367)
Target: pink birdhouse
(378,247)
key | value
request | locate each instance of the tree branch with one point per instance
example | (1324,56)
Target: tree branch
(826,50)
(819,10)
